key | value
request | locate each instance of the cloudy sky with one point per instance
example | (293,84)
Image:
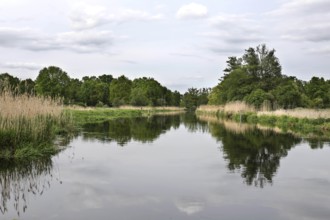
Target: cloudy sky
(181,44)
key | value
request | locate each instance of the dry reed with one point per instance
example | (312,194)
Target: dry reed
(15,106)
(27,120)
(238,107)
(299,113)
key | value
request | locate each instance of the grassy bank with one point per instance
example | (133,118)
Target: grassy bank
(306,122)
(96,115)
(29,125)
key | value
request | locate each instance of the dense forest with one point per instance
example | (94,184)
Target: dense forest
(101,90)
(257,79)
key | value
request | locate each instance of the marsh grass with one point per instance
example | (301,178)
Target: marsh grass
(96,115)
(306,122)
(28,124)
(299,113)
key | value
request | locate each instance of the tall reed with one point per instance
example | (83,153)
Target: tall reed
(28,124)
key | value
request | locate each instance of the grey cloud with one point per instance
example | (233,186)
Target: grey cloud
(320,50)
(225,50)
(298,7)
(33,40)
(22,65)
(303,20)
(314,33)
(233,31)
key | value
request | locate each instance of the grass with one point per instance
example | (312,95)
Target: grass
(96,115)
(305,122)
(29,125)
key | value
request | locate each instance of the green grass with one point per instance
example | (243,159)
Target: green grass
(97,115)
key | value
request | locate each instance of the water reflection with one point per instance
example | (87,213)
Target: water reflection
(253,152)
(124,130)
(19,179)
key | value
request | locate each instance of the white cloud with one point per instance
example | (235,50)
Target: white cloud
(85,16)
(188,207)
(193,11)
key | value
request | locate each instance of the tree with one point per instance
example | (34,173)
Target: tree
(251,77)
(150,92)
(257,98)
(318,90)
(26,86)
(120,91)
(287,94)
(176,98)
(190,99)
(8,81)
(52,81)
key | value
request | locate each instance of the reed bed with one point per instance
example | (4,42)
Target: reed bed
(299,113)
(242,107)
(28,124)
(238,107)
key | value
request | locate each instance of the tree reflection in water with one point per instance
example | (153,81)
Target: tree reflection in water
(254,152)
(124,130)
(19,179)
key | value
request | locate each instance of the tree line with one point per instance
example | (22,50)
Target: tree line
(256,78)
(103,90)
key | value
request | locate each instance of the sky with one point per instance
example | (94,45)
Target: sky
(181,44)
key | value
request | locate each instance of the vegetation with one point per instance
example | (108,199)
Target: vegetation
(306,122)
(98,91)
(194,98)
(83,116)
(256,78)
(29,124)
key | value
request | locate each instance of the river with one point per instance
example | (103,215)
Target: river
(173,167)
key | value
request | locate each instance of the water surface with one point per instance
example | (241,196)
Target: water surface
(173,167)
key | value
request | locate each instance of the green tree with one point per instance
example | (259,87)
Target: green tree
(8,81)
(94,91)
(120,91)
(318,90)
(190,99)
(26,86)
(176,98)
(255,74)
(257,98)
(73,92)
(287,94)
(147,91)
(52,81)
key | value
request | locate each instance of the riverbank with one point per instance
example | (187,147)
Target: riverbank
(96,115)
(305,122)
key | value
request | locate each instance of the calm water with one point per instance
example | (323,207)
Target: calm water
(172,167)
